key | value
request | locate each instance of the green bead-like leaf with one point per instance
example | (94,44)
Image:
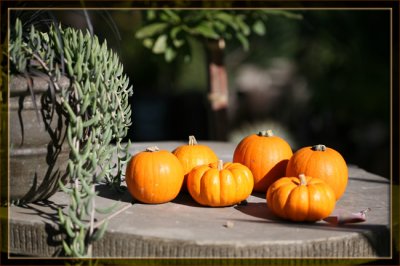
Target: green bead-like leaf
(107,210)
(67,249)
(100,90)
(99,233)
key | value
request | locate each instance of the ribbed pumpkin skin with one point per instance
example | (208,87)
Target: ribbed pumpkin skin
(265,156)
(328,165)
(210,186)
(192,155)
(288,199)
(154,177)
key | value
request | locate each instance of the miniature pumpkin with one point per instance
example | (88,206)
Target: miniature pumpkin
(193,154)
(265,155)
(322,162)
(154,176)
(301,198)
(218,184)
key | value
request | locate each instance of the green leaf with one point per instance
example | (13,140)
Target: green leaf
(150,30)
(243,25)
(284,13)
(148,43)
(161,44)
(227,19)
(174,32)
(178,43)
(220,26)
(206,30)
(170,54)
(259,27)
(67,249)
(243,40)
(99,233)
(150,14)
(172,14)
(107,210)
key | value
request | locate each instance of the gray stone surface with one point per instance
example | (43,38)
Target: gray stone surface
(182,228)
(35,161)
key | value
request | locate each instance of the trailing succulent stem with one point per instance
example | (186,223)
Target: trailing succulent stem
(97,114)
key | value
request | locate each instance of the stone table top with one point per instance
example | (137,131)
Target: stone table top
(182,228)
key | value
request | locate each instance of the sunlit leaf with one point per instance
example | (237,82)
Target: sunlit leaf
(150,30)
(148,43)
(228,19)
(243,26)
(175,31)
(178,43)
(284,13)
(206,30)
(259,28)
(161,44)
(170,54)
(172,15)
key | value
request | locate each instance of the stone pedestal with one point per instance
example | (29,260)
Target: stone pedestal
(184,229)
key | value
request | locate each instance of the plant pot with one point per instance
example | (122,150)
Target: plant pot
(38,154)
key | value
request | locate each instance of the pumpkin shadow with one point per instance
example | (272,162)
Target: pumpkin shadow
(258,210)
(105,191)
(184,198)
(260,195)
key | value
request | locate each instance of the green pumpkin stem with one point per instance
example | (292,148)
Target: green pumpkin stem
(319,147)
(266,133)
(220,165)
(192,140)
(152,149)
(303,180)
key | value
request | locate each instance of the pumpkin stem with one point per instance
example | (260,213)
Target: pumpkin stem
(152,149)
(266,133)
(319,147)
(220,165)
(303,180)
(192,140)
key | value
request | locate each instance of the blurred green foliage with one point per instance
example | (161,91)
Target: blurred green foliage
(167,31)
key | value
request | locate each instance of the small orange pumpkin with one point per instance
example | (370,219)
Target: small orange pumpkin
(192,155)
(322,162)
(218,184)
(154,176)
(265,155)
(301,198)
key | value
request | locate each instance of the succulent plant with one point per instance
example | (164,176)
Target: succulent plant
(97,112)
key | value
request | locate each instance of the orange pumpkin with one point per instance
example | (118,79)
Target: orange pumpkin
(265,155)
(218,184)
(301,198)
(193,154)
(154,176)
(322,162)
